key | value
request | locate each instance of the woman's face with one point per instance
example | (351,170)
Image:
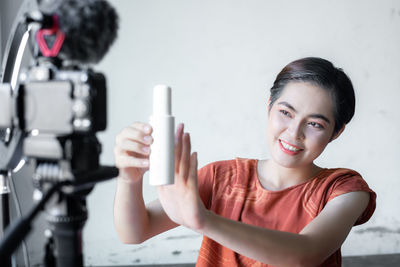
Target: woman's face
(300,124)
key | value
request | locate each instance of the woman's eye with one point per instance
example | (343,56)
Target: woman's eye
(316,125)
(284,112)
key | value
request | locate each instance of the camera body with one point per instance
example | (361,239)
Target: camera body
(61,101)
(51,104)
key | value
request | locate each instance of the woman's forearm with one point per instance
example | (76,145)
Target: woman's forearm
(130,216)
(269,246)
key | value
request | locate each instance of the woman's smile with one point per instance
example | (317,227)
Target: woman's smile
(289,148)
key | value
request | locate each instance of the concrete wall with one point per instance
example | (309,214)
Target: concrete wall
(221,58)
(1,44)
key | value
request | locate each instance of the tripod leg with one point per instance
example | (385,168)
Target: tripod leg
(67,231)
(49,260)
(5,209)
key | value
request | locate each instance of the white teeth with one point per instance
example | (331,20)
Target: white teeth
(289,147)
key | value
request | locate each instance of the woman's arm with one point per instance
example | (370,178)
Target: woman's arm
(317,241)
(134,221)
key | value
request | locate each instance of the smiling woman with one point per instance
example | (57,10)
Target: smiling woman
(301,124)
(284,211)
(323,74)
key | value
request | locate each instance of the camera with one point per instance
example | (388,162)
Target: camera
(53,102)
(50,113)
(75,98)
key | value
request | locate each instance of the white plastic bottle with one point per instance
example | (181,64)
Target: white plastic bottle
(162,157)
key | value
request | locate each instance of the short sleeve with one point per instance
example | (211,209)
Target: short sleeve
(352,182)
(206,177)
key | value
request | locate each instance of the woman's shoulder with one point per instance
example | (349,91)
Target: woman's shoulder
(332,182)
(340,173)
(341,180)
(232,164)
(230,168)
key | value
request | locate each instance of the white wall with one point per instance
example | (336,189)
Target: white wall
(221,58)
(1,46)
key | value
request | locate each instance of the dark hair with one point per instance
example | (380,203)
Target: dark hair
(324,74)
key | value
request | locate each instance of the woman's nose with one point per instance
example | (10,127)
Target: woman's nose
(295,130)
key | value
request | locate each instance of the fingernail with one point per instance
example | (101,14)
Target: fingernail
(146,149)
(147,138)
(146,129)
(180,127)
(145,162)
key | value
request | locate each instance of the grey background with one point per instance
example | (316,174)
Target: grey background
(221,58)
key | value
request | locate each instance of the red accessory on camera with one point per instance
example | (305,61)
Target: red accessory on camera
(54,30)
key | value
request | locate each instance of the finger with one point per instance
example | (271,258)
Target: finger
(127,146)
(179,132)
(178,145)
(138,130)
(123,161)
(193,169)
(142,126)
(134,134)
(184,164)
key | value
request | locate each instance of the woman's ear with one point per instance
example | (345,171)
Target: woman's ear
(338,133)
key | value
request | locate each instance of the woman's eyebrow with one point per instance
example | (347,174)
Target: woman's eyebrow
(286,104)
(320,116)
(316,116)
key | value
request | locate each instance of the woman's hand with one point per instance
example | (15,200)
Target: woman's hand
(181,201)
(132,150)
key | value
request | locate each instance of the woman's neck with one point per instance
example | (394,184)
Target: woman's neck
(276,177)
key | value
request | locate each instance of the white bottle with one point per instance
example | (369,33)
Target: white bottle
(162,157)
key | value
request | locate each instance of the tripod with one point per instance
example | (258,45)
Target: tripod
(64,185)
(49,115)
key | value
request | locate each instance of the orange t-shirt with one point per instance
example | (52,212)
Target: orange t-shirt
(232,189)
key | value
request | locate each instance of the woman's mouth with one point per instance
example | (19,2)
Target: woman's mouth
(289,148)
